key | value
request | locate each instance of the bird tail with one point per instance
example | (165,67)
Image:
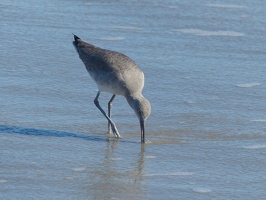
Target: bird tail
(75,42)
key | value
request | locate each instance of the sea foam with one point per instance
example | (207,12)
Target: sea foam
(199,32)
(248,85)
(3,181)
(201,190)
(130,28)
(172,174)
(112,38)
(226,6)
(258,120)
(79,169)
(256,146)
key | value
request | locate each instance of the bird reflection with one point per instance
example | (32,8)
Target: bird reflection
(119,174)
(140,163)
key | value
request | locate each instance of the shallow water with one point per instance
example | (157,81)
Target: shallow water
(204,66)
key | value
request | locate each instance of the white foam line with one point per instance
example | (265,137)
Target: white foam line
(149,157)
(248,85)
(256,146)
(258,120)
(173,174)
(112,38)
(225,6)
(127,28)
(79,169)
(3,181)
(115,159)
(199,32)
(202,190)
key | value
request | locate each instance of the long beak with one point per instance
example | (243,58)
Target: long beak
(142,129)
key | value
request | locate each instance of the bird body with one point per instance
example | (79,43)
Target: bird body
(117,74)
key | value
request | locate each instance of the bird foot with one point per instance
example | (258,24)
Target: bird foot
(115,131)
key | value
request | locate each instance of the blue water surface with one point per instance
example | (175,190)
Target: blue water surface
(204,64)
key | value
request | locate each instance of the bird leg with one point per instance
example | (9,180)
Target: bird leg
(114,129)
(109,112)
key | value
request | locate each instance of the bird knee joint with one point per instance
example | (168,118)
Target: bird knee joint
(96,102)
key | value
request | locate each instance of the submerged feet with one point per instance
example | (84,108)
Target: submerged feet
(114,130)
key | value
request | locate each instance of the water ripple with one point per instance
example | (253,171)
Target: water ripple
(173,174)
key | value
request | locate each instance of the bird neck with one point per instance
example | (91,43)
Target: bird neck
(133,99)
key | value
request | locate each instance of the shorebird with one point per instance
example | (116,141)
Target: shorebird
(117,74)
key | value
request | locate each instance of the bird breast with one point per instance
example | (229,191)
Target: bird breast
(109,82)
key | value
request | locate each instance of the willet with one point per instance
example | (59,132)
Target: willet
(115,73)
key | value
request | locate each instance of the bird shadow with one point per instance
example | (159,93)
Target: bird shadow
(51,133)
(56,133)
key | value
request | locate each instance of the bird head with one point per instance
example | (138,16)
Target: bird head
(142,108)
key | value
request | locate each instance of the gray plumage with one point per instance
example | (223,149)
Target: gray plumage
(118,74)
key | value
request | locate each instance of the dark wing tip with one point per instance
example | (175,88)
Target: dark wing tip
(76,37)
(75,42)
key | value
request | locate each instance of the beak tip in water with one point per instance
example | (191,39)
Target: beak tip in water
(142,130)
